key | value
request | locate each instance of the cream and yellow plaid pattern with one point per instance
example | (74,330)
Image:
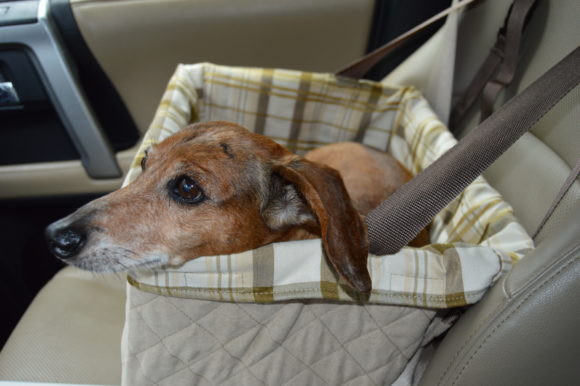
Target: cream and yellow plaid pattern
(474,240)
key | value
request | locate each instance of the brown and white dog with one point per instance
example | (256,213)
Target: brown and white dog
(216,188)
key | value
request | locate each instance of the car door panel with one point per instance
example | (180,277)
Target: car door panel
(137,44)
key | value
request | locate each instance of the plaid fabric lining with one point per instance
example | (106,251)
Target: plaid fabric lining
(475,239)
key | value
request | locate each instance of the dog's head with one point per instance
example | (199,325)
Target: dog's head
(214,188)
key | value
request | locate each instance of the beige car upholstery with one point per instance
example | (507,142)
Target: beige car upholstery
(71,333)
(530,174)
(139,42)
(525,331)
(56,178)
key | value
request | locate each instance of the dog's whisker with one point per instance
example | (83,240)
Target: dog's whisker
(127,251)
(119,276)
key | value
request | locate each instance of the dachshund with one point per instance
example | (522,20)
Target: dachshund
(216,188)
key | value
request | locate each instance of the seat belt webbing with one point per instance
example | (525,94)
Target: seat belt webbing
(507,70)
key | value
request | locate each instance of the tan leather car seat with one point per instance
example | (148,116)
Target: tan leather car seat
(525,331)
(71,333)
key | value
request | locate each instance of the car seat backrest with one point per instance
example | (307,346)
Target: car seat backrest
(530,174)
(525,330)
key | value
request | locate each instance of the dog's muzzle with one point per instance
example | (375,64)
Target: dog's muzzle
(65,242)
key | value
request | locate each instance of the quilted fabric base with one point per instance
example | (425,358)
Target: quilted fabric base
(199,342)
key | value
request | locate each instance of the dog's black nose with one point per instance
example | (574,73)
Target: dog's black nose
(65,242)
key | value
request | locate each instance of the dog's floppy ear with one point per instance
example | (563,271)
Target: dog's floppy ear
(342,230)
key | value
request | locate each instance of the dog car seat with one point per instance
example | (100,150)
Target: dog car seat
(275,307)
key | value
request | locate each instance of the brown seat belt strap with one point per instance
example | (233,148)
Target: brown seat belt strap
(403,215)
(361,67)
(503,55)
(507,69)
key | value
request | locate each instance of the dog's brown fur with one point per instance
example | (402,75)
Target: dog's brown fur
(256,192)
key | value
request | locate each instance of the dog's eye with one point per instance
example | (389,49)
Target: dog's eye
(185,190)
(144,160)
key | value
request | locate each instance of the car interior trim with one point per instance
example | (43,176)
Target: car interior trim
(95,151)
(108,107)
(54,178)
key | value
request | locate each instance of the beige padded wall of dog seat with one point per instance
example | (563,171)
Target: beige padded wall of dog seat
(139,42)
